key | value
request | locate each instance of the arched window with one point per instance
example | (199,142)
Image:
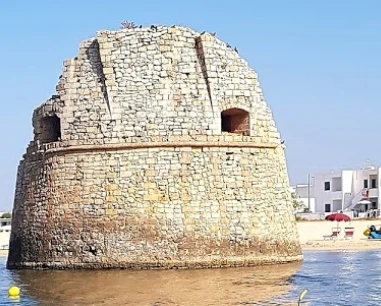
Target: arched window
(50,128)
(235,120)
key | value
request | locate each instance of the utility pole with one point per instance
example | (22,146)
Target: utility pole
(309,192)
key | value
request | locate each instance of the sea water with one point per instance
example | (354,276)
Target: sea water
(332,278)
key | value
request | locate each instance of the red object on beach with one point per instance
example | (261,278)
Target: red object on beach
(338,217)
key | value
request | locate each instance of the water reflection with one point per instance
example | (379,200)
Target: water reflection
(332,278)
(174,287)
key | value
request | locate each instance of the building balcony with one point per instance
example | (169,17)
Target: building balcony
(373,193)
(336,195)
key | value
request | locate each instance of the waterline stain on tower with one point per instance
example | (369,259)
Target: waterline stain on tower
(162,154)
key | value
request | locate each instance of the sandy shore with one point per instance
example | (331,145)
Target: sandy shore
(342,245)
(3,253)
(311,236)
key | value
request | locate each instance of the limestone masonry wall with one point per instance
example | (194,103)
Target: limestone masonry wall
(157,151)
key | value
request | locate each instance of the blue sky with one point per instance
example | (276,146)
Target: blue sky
(318,63)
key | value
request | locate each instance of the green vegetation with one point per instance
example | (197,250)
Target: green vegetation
(6,215)
(298,205)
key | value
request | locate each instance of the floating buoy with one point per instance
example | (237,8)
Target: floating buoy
(14,291)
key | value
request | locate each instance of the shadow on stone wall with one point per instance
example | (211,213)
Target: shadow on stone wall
(93,55)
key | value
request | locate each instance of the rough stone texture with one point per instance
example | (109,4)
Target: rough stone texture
(131,165)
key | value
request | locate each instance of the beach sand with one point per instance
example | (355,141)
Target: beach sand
(3,253)
(342,245)
(311,236)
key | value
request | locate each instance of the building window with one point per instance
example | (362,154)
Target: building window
(327,208)
(327,186)
(373,183)
(235,121)
(374,205)
(365,183)
(50,129)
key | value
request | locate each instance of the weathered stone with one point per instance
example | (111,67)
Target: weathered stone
(158,151)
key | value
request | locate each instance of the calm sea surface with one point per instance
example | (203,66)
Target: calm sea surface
(333,278)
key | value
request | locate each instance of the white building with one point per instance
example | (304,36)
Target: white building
(346,190)
(300,193)
(5,221)
(5,233)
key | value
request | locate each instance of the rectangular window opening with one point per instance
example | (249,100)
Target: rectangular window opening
(365,183)
(235,121)
(374,183)
(327,186)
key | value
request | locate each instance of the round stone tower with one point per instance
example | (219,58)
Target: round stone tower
(158,151)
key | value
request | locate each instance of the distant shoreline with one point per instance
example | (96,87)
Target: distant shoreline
(342,245)
(312,234)
(3,253)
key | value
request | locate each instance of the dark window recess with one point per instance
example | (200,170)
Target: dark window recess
(50,129)
(373,183)
(235,121)
(374,205)
(365,183)
(327,207)
(327,186)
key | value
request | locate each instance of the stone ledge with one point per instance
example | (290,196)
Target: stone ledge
(173,264)
(131,146)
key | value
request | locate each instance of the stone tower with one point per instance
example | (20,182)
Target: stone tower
(157,151)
